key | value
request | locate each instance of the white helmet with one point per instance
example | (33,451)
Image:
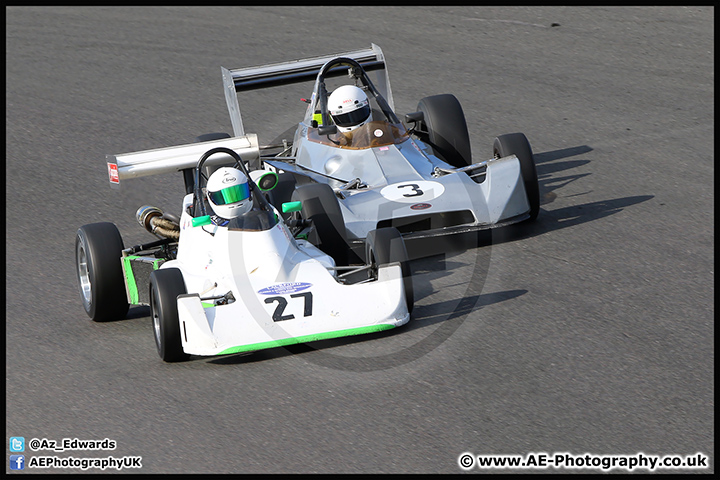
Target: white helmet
(349,107)
(228,192)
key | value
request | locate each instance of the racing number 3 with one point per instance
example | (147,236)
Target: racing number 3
(415,190)
(282,303)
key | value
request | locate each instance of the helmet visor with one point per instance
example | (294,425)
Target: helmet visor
(352,118)
(229,195)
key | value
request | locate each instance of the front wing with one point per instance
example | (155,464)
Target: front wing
(287,314)
(448,204)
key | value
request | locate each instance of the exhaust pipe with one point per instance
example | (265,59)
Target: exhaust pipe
(154,221)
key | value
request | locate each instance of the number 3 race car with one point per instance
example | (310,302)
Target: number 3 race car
(420,180)
(254,283)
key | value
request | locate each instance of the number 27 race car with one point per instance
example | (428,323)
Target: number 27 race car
(246,284)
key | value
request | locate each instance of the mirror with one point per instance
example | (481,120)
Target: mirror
(288,207)
(267,181)
(414,117)
(327,130)
(200,221)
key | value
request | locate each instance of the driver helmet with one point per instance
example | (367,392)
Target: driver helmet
(349,107)
(228,192)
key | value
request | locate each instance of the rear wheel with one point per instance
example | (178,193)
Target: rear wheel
(447,133)
(98,253)
(320,205)
(517,144)
(385,246)
(165,286)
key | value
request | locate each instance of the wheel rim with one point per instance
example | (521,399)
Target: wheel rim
(84,275)
(156,320)
(373,271)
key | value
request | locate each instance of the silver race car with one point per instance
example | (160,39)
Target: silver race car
(417,176)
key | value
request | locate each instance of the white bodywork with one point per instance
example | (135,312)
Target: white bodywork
(285,291)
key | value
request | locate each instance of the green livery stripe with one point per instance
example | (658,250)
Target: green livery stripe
(306,339)
(130,276)
(132,286)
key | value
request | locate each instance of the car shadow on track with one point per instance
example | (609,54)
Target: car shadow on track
(551,220)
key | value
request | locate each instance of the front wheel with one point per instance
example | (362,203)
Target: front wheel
(517,144)
(98,253)
(165,286)
(385,246)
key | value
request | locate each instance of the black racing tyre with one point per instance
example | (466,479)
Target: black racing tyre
(165,286)
(320,205)
(518,144)
(282,192)
(444,121)
(98,253)
(384,246)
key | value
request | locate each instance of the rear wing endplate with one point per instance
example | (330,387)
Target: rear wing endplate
(296,71)
(181,157)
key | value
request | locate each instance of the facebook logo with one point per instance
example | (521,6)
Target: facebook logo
(17,462)
(17,444)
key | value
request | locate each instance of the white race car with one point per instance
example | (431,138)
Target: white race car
(252,284)
(417,176)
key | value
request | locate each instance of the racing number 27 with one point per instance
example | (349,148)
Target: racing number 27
(282,303)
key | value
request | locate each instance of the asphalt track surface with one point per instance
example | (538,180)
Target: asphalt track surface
(590,332)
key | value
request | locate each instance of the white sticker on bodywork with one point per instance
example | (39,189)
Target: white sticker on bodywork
(413,191)
(285,288)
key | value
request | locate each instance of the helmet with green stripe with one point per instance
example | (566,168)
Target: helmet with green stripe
(228,192)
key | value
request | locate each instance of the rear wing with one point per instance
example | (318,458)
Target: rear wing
(243,79)
(180,157)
